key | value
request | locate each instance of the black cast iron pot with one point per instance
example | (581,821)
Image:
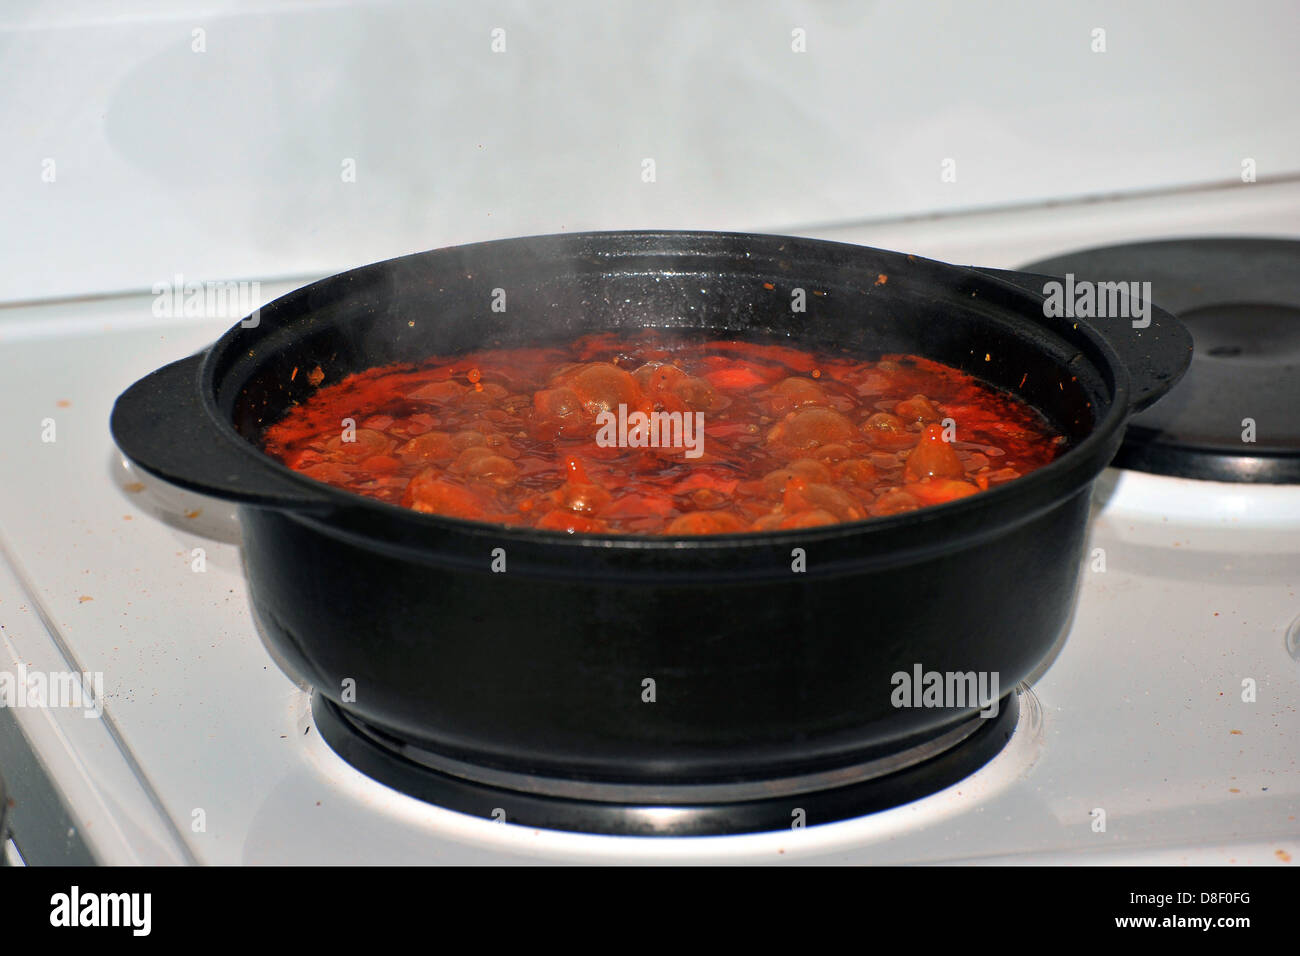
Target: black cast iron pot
(759,670)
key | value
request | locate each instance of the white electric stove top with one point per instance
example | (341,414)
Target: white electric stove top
(1166,728)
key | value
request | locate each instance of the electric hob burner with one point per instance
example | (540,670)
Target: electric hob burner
(920,766)
(1240,299)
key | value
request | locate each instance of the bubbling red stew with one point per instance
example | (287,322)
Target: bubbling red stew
(656,434)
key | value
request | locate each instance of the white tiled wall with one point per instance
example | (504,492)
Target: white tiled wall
(229,162)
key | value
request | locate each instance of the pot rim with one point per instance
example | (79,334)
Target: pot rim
(1081,456)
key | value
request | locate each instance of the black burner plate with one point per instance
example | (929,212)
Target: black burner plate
(1240,299)
(376,756)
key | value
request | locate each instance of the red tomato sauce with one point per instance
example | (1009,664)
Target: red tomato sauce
(659,434)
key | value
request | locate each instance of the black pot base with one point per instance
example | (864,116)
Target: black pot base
(675,810)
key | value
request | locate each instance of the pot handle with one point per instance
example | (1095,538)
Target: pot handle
(1156,354)
(161,425)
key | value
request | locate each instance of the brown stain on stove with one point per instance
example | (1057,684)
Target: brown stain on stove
(63,403)
(1282,855)
(133,487)
(84,598)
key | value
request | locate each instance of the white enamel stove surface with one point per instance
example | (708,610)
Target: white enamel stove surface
(1140,714)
